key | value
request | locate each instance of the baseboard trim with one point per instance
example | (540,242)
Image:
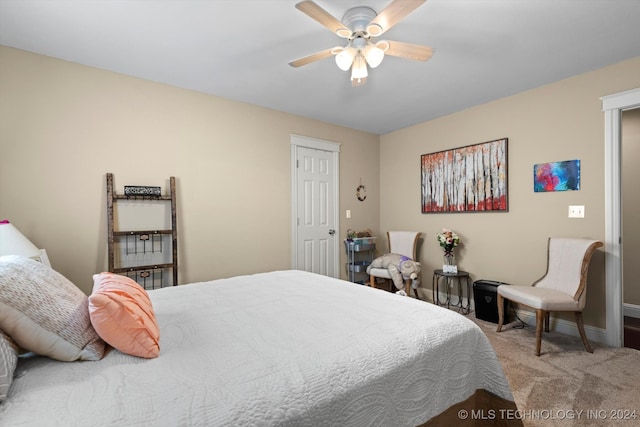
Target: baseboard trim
(567,327)
(632,310)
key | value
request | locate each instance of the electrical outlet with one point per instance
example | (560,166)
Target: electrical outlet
(576,211)
(348,214)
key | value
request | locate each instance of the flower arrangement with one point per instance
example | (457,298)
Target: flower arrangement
(448,240)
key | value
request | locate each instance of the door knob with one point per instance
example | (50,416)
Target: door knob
(332,231)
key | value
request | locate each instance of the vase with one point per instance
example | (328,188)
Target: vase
(449,263)
(448,259)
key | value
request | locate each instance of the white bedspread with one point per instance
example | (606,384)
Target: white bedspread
(285,348)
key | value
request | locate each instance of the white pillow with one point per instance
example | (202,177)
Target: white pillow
(8,363)
(44,312)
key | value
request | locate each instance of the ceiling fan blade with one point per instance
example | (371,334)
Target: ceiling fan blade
(312,58)
(391,15)
(409,51)
(323,17)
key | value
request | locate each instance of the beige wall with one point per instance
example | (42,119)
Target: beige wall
(63,126)
(560,121)
(631,204)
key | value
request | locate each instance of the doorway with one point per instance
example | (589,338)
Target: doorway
(314,204)
(613,105)
(630,176)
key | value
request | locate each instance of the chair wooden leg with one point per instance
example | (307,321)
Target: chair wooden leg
(415,291)
(540,316)
(500,302)
(546,321)
(580,324)
(372,281)
(407,287)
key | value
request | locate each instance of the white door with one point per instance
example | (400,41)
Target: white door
(315,218)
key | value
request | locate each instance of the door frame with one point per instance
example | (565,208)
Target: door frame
(334,148)
(612,106)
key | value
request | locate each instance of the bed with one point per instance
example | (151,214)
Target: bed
(285,348)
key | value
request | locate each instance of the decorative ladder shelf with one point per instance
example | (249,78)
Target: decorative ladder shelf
(152,272)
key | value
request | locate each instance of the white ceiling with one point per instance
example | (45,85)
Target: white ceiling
(240,49)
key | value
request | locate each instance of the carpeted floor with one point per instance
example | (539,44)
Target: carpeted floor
(566,386)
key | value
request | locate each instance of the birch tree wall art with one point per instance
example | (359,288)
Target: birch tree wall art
(466,179)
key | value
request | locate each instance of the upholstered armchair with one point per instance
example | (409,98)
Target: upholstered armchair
(562,288)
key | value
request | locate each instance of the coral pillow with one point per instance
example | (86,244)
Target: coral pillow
(122,314)
(44,312)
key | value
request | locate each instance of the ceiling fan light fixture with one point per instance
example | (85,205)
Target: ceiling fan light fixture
(359,26)
(344,59)
(374,55)
(359,71)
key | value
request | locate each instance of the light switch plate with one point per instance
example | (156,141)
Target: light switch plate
(576,211)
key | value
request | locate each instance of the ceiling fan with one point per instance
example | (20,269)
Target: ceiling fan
(360,25)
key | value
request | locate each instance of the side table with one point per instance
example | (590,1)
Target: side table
(449,281)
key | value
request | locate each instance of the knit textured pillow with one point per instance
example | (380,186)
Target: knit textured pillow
(8,363)
(44,312)
(122,314)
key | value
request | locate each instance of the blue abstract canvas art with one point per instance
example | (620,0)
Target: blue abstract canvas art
(556,176)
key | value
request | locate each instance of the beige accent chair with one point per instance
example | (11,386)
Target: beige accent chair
(402,243)
(562,288)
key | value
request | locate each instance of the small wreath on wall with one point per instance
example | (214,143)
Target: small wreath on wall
(361,192)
